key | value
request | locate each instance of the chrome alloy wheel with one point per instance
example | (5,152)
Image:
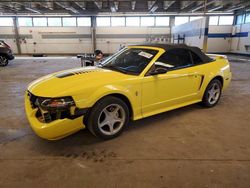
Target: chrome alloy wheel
(214,93)
(111,119)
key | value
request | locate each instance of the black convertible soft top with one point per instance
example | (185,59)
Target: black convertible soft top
(194,49)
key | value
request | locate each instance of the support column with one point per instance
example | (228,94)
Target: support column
(205,42)
(17,37)
(93,32)
(171,25)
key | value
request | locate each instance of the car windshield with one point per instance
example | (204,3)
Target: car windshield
(129,61)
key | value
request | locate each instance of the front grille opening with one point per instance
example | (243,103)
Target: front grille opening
(52,115)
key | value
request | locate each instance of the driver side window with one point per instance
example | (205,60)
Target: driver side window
(176,58)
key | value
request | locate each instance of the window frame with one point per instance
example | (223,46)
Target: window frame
(12,22)
(167,25)
(180,17)
(177,68)
(55,17)
(246,16)
(139,19)
(83,25)
(46,18)
(32,24)
(69,25)
(226,24)
(218,18)
(109,17)
(113,17)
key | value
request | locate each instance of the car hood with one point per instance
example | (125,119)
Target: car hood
(71,81)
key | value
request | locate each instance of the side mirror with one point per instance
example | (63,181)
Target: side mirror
(160,68)
(158,71)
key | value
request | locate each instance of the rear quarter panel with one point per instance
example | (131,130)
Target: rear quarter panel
(219,67)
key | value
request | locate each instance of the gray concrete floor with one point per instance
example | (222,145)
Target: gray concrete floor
(188,147)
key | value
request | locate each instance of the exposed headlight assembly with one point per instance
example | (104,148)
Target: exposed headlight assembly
(50,109)
(55,103)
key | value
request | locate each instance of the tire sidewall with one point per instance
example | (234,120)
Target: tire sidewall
(3,65)
(92,124)
(205,97)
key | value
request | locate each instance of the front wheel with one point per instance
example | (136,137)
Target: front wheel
(108,118)
(3,61)
(212,93)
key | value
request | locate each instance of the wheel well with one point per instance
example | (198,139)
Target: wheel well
(126,100)
(219,78)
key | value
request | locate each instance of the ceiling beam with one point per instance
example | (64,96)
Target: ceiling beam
(67,6)
(82,5)
(216,6)
(152,6)
(185,4)
(98,4)
(114,6)
(48,5)
(167,4)
(133,3)
(202,5)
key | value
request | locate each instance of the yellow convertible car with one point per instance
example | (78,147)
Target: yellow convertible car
(136,82)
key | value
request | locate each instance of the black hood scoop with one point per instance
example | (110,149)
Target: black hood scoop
(72,73)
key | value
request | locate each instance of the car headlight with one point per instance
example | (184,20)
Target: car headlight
(55,103)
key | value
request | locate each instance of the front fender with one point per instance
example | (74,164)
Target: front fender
(130,93)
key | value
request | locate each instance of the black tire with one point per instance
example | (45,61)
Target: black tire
(211,98)
(108,110)
(3,61)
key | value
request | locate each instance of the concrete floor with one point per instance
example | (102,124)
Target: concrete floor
(189,147)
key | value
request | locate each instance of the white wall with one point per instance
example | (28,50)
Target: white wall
(110,38)
(194,32)
(75,40)
(56,40)
(7,34)
(216,41)
(241,44)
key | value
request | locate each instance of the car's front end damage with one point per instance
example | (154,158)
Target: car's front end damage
(53,118)
(56,104)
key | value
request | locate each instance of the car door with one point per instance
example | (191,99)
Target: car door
(177,87)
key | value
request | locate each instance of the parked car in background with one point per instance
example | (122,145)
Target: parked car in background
(136,82)
(5,54)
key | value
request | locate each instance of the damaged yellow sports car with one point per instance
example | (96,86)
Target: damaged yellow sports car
(136,82)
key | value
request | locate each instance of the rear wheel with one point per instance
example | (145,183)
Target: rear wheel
(3,61)
(108,118)
(212,93)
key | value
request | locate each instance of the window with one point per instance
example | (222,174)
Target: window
(103,21)
(132,21)
(213,20)
(117,21)
(147,21)
(25,22)
(196,59)
(226,20)
(162,21)
(132,60)
(54,22)
(6,22)
(247,19)
(40,21)
(84,21)
(176,58)
(192,18)
(69,21)
(181,20)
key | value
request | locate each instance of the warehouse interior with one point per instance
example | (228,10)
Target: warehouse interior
(187,147)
